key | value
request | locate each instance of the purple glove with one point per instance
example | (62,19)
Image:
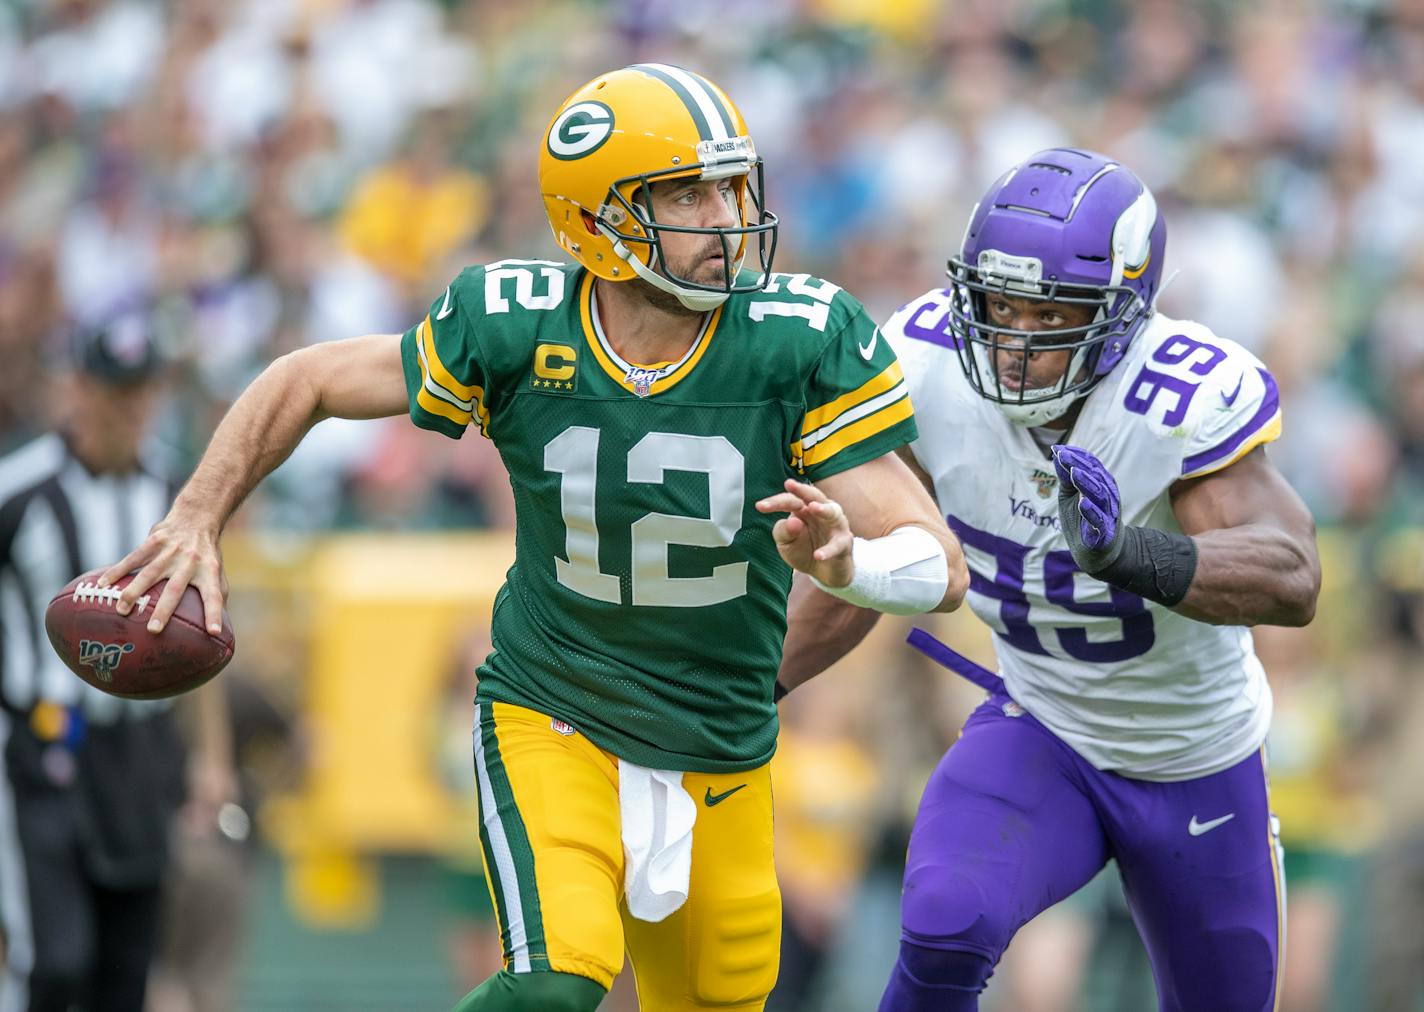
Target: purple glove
(1156,565)
(1089,508)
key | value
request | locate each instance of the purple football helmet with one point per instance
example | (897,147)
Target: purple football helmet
(1065,226)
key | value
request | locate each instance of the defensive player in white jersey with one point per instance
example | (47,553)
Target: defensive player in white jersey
(1105,468)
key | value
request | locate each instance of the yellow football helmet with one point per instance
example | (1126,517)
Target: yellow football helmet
(639,125)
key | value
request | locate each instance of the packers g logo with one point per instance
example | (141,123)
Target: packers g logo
(580,129)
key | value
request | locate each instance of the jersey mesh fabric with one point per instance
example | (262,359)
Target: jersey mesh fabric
(665,653)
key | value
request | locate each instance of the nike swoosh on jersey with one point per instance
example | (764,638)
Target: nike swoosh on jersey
(1228,401)
(1198,828)
(866,350)
(716,799)
(445,309)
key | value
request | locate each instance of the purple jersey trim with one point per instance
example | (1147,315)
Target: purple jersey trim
(954,661)
(1226,447)
(940,335)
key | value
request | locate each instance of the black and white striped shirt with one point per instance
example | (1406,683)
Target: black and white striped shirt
(58,520)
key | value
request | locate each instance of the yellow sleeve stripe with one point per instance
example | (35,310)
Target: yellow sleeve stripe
(437,399)
(1270,433)
(896,411)
(849,417)
(806,444)
(435,406)
(438,372)
(827,412)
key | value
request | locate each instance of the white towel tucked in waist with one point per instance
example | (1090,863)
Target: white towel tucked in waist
(658,816)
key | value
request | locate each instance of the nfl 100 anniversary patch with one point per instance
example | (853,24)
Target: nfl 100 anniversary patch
(1045,481)
(104,658)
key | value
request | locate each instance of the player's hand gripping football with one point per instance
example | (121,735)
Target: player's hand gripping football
(181,551)
(815,538)
(1089,508)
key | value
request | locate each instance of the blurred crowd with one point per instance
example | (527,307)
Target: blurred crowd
(265,174)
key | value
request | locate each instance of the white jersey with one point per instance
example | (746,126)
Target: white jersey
(1131,685)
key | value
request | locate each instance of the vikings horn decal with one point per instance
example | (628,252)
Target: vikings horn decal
(1132,238)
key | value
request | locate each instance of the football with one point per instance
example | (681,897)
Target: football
(118,655)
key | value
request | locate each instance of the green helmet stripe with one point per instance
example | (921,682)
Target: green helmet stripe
(694,108)
(722,108)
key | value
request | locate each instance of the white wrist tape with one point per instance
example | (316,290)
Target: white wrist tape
(903,573)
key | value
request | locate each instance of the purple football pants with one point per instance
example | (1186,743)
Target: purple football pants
(1013,820)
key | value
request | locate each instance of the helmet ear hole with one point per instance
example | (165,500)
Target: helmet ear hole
(589,222)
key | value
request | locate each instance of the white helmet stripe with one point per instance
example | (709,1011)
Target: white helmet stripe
(711,108)
(721,101)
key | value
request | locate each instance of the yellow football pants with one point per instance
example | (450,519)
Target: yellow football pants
(550,830)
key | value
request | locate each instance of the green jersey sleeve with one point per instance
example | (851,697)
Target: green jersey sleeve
(446,376)
(857,404)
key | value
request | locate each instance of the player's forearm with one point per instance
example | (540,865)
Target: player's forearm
(1253,575)
(906,561)
(259,431)
(820,630)
(958,584)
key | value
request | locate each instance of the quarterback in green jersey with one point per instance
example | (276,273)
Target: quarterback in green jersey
(682,430)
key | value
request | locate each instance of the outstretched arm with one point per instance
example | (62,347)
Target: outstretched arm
(874,533)
(879,497)
(357,378)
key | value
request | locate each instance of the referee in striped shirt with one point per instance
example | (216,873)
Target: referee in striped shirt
(90,782)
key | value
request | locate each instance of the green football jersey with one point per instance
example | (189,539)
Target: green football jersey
(647,603)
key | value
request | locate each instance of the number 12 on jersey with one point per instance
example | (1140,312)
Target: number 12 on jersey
(573,454)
